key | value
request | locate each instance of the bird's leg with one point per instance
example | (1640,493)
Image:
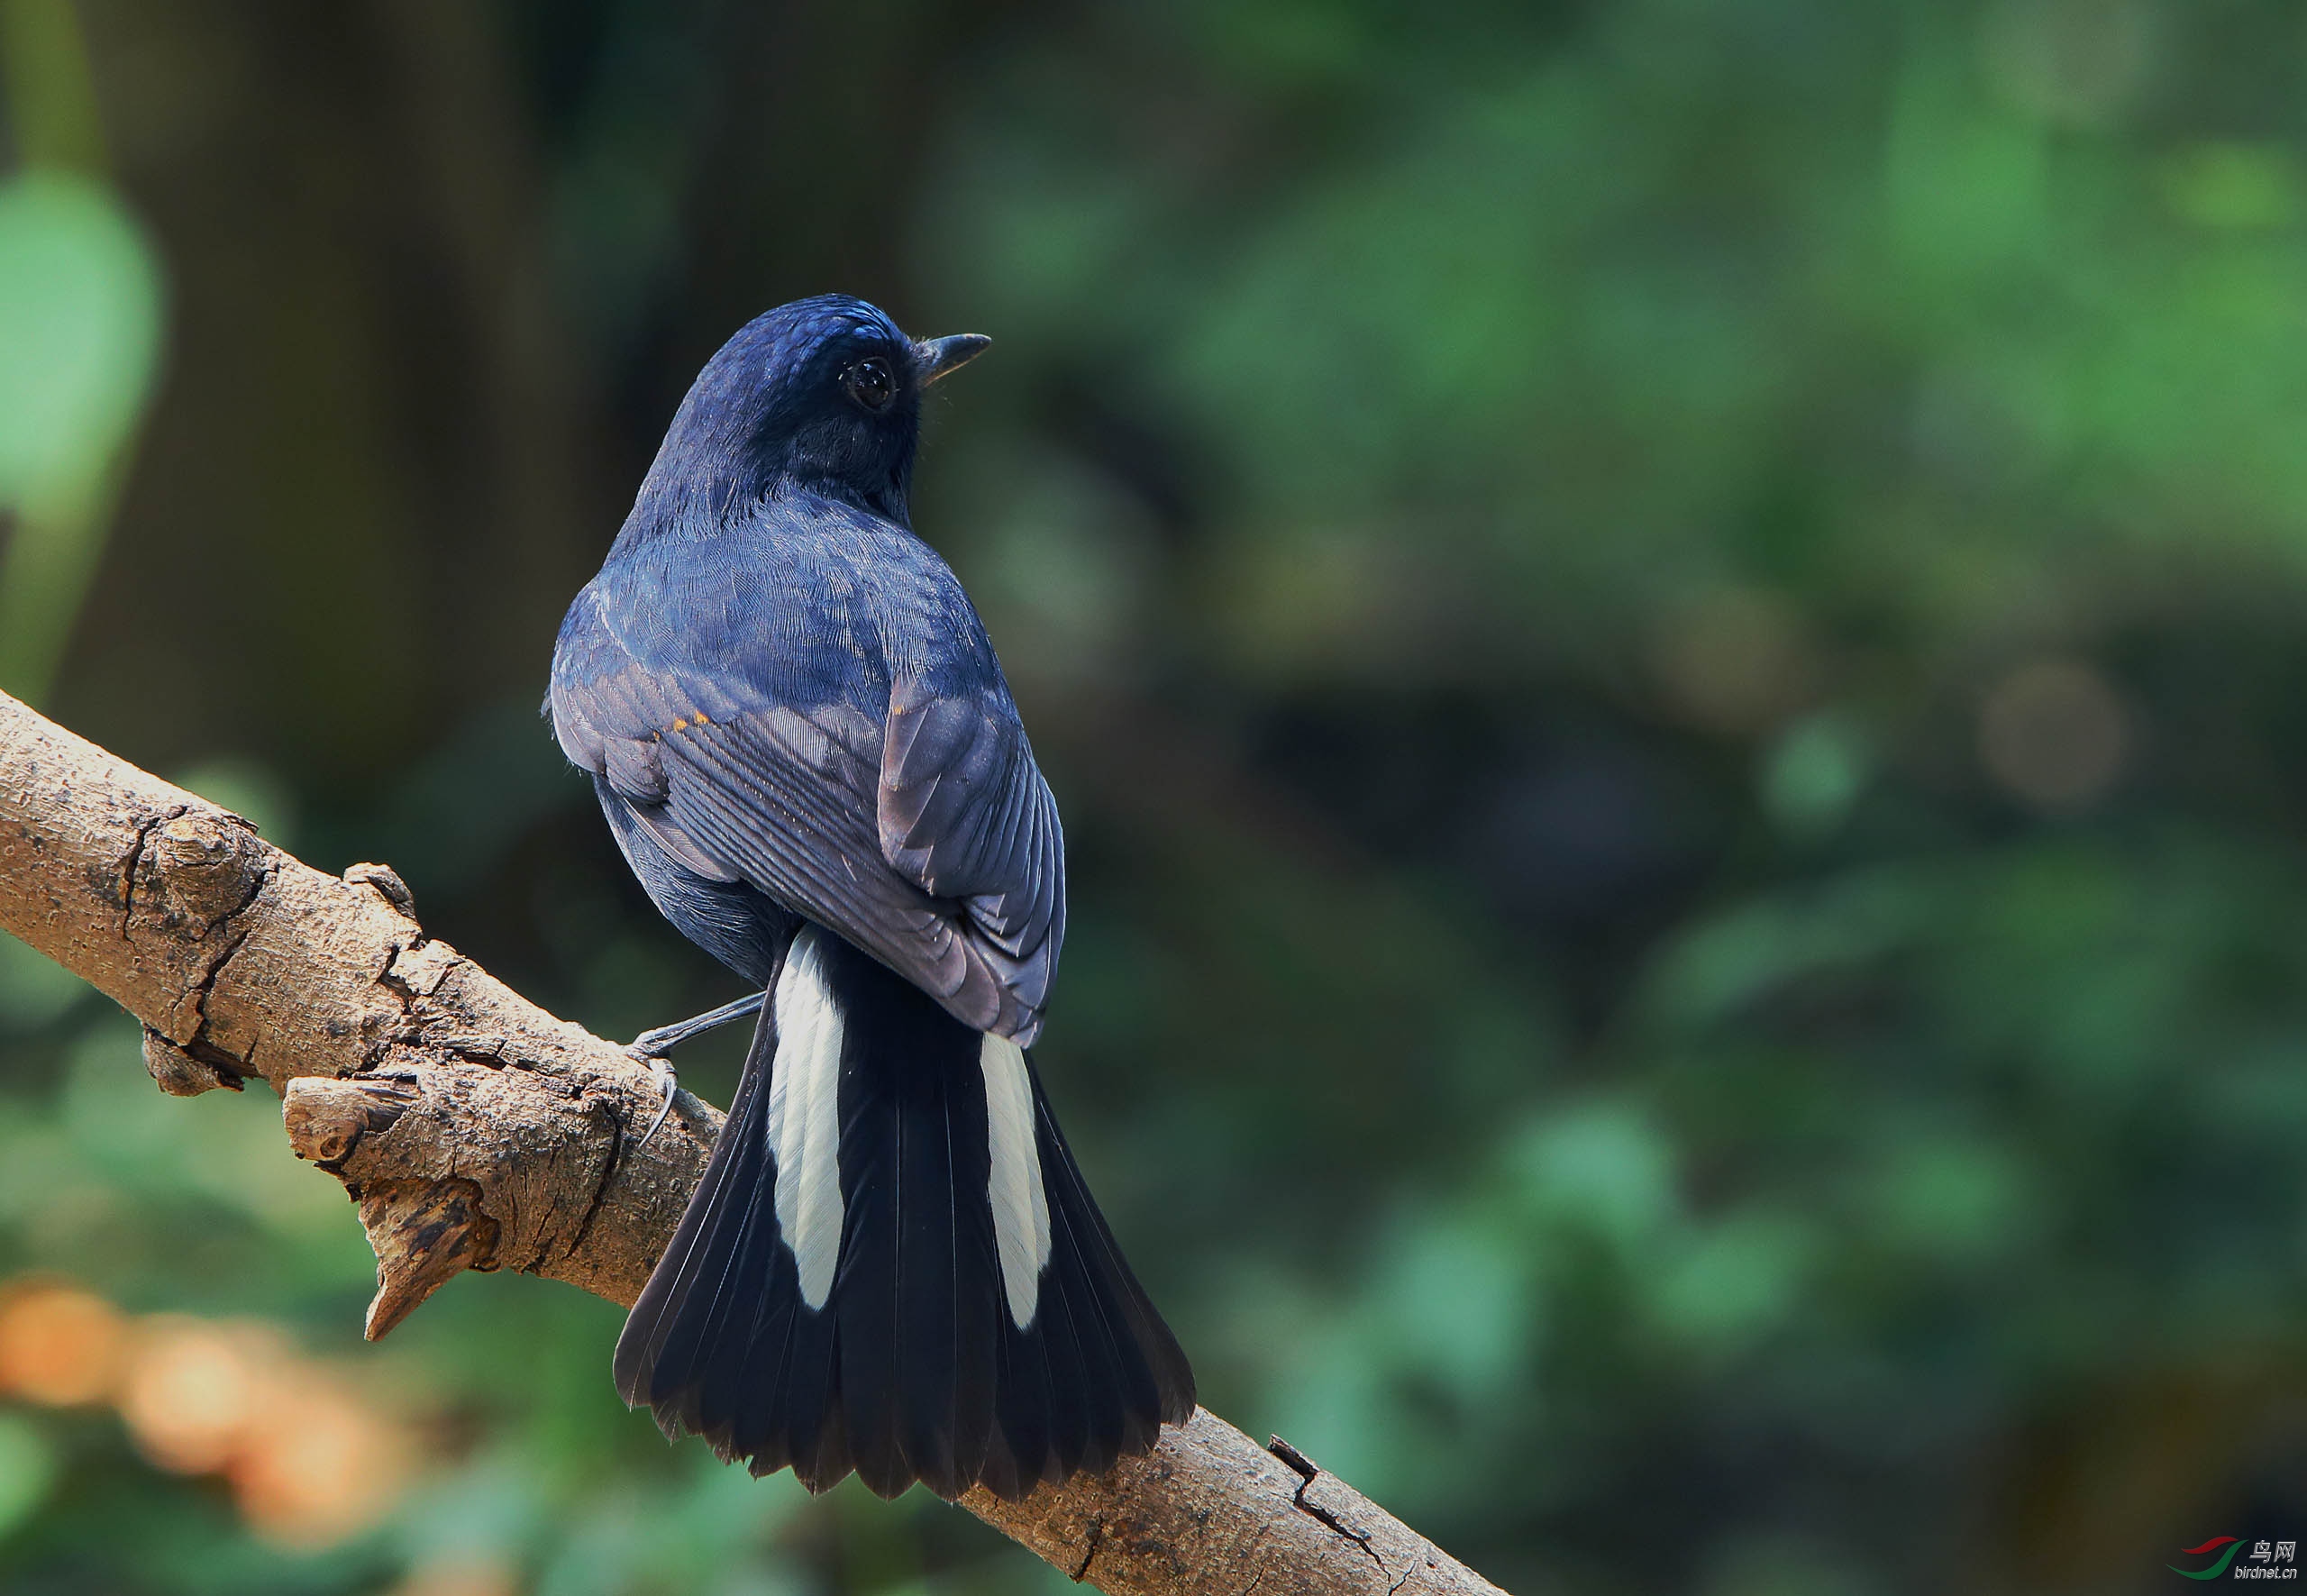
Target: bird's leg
(650,1047)
(651,1044)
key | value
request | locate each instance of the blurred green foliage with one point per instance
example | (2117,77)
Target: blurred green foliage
(80,335)
(1669,635)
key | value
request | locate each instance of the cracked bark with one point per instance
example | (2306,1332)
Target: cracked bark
(472,1130)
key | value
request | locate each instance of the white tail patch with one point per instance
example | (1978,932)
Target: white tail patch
(805,1116)
(1020,1204)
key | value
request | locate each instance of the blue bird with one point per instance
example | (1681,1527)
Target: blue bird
(807,754)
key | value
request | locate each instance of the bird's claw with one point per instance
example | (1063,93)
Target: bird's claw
(670,1082)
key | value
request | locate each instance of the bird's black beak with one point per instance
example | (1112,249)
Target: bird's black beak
(935,357)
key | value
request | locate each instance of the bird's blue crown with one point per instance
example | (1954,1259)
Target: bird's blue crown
(822,393)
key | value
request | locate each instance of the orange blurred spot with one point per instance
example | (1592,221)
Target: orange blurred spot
(310,1462)
(58,1344)
(316,1465)
(188,1394)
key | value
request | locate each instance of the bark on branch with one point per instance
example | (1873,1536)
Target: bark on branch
(475,1131)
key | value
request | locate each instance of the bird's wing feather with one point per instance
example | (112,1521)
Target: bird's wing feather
(964,813)
(929,839)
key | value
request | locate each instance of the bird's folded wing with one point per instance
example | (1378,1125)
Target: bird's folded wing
(966,814)
(947,865)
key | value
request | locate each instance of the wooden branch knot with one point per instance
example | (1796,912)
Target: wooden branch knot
(178,1073)
(204,865)
(326,1117)
(387,882)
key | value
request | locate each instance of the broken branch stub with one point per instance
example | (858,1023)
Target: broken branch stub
(423,1232)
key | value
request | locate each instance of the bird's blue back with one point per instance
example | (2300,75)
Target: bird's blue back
(802,599)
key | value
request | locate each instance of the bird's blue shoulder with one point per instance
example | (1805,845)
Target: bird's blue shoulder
(799,598)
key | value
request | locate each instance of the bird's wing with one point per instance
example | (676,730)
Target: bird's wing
(928,839)
(966,814)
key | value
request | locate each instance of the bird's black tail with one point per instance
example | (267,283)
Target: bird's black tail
(892,1264)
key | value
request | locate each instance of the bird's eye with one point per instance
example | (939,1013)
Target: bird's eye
(871,383)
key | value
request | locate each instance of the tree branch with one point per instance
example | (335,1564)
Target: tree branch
(475,1131)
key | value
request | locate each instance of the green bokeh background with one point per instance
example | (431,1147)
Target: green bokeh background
(1670,634)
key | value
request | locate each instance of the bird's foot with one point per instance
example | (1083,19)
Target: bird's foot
(650,1046)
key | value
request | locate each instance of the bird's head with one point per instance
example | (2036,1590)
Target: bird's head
(823,393)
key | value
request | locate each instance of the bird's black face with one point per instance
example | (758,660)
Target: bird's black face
(842,411)
(824,393)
